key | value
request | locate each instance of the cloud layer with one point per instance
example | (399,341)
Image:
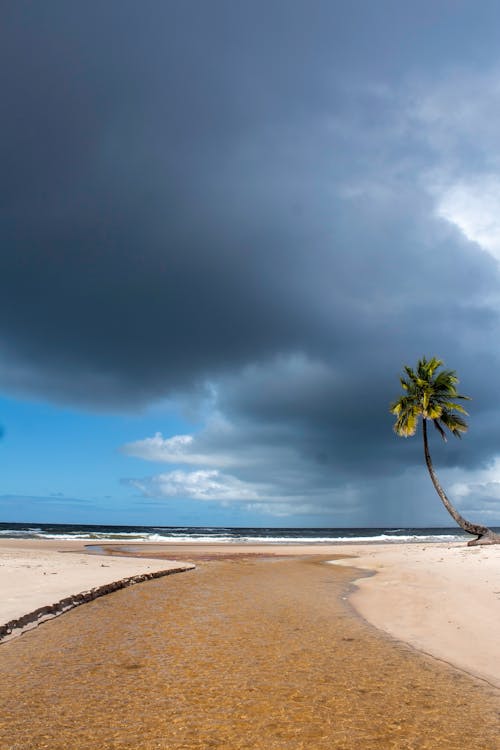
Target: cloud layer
(263,216)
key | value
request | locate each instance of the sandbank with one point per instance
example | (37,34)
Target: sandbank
(441,598)
(40,574)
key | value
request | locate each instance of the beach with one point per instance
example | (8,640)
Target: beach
(258,646)
(441,598)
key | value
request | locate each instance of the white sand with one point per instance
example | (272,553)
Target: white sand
(443,599)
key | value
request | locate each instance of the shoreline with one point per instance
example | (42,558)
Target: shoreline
(443,599)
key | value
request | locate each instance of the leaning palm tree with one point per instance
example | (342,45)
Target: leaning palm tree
(431,395)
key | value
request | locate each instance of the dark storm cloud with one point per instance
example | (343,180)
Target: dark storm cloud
(168,207)
(241,194)
(150,233)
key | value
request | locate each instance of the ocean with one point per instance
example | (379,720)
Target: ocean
(209,534)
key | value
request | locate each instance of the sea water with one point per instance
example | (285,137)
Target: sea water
(207,534)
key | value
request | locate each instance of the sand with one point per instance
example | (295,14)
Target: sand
(441,598)
(245,651)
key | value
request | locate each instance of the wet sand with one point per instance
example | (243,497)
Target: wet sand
(245,652)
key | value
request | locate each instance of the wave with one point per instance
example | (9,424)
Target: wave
(201,537)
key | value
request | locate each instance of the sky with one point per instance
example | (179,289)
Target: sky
(225,228)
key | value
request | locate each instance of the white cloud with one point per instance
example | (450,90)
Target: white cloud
(179,449)
(213,485)
(473,206)
(199,485)
(456,118)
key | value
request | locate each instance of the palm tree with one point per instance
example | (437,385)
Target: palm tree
(431,395)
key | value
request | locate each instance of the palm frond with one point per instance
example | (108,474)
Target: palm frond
(438,427)
(406,424)
(434,410)
(454,423)
(431,395)
(452,406)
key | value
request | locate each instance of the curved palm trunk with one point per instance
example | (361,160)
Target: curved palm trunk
(484,534)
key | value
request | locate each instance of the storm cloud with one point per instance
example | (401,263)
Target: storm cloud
(259,211)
